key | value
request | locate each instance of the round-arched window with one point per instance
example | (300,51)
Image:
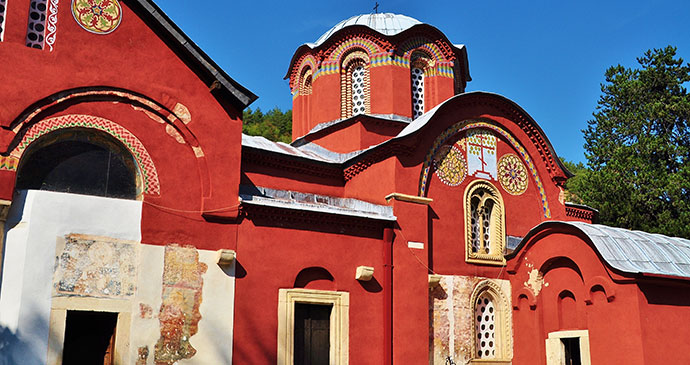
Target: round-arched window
(79,161)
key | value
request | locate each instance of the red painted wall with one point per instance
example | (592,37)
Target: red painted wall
(134,58)
(623,327)
(272,252)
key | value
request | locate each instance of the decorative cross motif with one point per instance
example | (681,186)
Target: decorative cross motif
(481,154)
(376,8)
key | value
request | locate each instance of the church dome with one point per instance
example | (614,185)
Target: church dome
(385,23)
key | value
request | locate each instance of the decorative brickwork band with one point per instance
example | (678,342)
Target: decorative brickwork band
(147,169)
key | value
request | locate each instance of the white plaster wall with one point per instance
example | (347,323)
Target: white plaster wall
(35,221)
(213,342)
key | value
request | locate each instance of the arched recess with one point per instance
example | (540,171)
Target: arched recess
(457,128)
(599,283)
(175,116)
(489,292)
(145,166)
(315,277)
(529,297)
(560,262)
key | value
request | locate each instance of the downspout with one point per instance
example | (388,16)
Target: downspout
(388,236)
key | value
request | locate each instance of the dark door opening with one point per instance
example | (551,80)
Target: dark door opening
(572,350)
(312,334)
(89,338)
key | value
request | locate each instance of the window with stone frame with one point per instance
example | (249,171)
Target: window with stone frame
(492,324)
(485,224)
(354,84)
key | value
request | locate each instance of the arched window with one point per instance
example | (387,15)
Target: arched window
(79,161)
(420,62)
(485,326)
(354,84)
(485,227)
(358,98)
(305,81)
(417,92)
(492,323)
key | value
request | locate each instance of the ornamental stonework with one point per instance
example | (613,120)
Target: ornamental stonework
(512,174)
(97,16)
(450,165)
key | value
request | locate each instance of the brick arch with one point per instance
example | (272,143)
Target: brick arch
(306,61)
(369,46)
(422,44)
(163,112)
(147,169)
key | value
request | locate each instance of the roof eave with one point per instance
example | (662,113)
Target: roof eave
(240,96)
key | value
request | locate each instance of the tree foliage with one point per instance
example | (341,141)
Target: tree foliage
(275,125)
(638,147)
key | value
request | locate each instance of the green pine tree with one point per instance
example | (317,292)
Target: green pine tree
(638,147)
(275,125)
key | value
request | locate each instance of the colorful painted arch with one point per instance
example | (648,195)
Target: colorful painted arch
(473,124)
(147,169)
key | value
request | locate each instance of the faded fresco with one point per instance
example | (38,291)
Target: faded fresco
(95,267)
(181,297)
(451,317)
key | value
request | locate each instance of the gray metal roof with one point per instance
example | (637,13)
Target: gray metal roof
(256,195)
(385,23)
(637,251)
(309,151)
(314,152)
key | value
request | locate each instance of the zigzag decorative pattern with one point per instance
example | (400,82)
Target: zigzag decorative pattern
(131,142)
(359,42)
(471,124)
(420,42)
(307,60)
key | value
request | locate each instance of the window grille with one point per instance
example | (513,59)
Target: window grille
(484,224)
(35,32)
(417,92)
(484,312)
(358,97)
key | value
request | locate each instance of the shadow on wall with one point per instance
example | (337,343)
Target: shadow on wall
(15,349)
(13,218)
(666,295)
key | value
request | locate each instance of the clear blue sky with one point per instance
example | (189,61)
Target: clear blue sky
(548,56)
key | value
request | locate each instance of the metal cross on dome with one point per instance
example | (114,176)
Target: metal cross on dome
(376,8)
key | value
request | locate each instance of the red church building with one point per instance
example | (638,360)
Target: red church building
(408,222)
